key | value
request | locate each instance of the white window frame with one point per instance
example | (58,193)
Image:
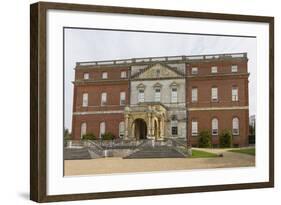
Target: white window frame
(215,126)
(194,128)
(103,98)
(194,94)
(122,129)
(122,98)
(83,129)
(86,76)
(102,128)
(104,75)
(214,94)
(174,95)
(157,94)
(141,95)
(235,126)
(85,99)
(214,69)
(234,68)
(234,94)
(194,70)
(123,74)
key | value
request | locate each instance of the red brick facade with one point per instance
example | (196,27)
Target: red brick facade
(89,79)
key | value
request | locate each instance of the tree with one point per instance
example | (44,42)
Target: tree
(89,136)
(66,134)
(205,140)
(225,139)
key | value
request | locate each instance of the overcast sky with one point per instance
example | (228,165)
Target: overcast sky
(92,45)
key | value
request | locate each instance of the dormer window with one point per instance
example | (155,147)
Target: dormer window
(214,69)
(194,70)
(104,75)
(86,76)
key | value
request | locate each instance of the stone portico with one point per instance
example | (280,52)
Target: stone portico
(145,121)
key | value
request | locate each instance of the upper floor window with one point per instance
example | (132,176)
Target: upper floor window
(157,97)
(235,126)
(174,127)
(214,92)
(122,98)
(215,126)
(174,95)
(104,75)
(123,74)
(141,95)
(214,69)
(234,93)
(85,100)
(102,128)
(83,129)
(194,70)
(194,95)
(86,76)
(194,128)
(121,129)
(234,68)
(103,98)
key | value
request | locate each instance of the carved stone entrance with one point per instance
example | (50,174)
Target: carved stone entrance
(140,129)
(145,120)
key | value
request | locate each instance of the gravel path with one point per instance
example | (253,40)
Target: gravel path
(119,165)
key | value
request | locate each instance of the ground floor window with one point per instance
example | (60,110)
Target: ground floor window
(83,129)
(194,128)
(121,129)
(235,126)
(174,125)
(215,126)
(102,128)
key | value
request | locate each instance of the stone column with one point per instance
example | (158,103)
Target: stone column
(162,128)
(149,125)
(126,126)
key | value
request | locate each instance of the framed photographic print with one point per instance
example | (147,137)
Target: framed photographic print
(135,102)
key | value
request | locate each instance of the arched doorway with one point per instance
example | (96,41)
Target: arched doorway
(140,129)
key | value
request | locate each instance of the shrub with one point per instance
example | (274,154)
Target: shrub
(205,139)
(107,136)
(225,139)
(89,136)
(66,135)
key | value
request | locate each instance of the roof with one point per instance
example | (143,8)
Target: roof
(163,59)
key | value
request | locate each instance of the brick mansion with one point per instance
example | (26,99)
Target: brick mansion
(163,97)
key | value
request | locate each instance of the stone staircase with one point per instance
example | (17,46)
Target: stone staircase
(155,152)
(76,153)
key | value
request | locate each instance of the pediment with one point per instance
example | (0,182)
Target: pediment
(158,70)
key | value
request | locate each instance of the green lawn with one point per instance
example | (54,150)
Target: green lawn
(250,151)
(202,154)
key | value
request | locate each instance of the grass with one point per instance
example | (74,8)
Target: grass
(249,151)
(202,154)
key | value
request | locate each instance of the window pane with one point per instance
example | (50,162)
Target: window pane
(215,126)
(174,95)
(86,76)
(194,70)
(85,100)
(234,68)
(83,129)
(123,74)
(122,98)
(194,94)
(235,126)
(104,75)
(214,94)
(157,96)
(121,129)
(103,98)
(141,96)
(234,94)
(102,128)
(194,128)
(214,69)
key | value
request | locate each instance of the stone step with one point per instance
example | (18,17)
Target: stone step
(75,154)
(155,152)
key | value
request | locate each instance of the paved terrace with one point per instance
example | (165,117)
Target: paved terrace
(162,59)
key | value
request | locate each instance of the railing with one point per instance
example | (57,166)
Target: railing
(162,59)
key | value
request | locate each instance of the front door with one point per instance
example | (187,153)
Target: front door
(140,129)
